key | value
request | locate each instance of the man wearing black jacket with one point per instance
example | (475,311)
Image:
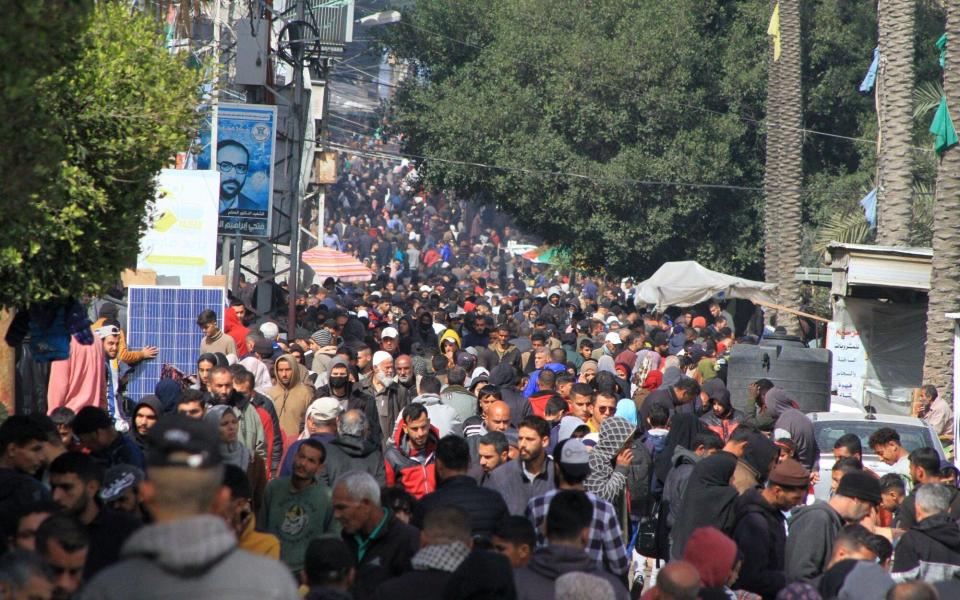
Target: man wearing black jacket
(929,550)
(760,533)
(505,378)
(455,487)
(351,397)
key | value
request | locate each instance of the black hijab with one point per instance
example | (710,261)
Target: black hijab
(708,500)
(684,428)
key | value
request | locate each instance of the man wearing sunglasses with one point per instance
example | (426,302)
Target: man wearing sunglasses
(233,162)
(604,406)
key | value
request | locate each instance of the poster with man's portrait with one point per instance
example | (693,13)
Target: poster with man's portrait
(246,141)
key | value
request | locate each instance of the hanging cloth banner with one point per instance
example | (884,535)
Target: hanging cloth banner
(774,30)
(871,77)
(942,46)
(943,128)
(869,204)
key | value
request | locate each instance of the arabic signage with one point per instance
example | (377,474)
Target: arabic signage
(849,361)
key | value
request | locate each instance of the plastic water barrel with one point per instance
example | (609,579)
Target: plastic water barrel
(803,373)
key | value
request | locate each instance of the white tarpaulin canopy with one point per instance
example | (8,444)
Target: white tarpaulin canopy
(685,283)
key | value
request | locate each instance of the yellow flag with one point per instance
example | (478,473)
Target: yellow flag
(774,30)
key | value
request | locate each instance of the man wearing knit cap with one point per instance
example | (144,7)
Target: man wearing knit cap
(390,397)
(814,528)
(760,530)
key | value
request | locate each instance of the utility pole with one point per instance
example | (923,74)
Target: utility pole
(296,142)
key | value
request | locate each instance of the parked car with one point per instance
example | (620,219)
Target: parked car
(829,426)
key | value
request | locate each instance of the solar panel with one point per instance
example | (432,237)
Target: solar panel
(166,317)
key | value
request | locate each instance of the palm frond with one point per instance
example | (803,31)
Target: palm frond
(847,228)
(926,98)
(921,227)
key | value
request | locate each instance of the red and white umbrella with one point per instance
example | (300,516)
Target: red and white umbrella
(327,262)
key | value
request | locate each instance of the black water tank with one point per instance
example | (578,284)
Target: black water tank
(803,373)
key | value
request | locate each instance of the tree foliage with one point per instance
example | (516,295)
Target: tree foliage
(109,111)
(625,92)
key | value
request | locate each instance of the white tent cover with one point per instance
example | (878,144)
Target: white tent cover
(685,283)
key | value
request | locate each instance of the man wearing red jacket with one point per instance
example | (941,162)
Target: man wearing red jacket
(409,460)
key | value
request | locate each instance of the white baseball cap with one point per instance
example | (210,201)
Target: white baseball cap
(613,337)
(389,332)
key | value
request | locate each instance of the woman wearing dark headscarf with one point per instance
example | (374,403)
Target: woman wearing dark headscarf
(683,432)
(709,500)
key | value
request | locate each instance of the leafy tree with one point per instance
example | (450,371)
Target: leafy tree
(110,111)
(621,93)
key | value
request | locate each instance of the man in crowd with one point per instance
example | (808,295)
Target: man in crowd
(269,422)
(192,404)
(455,487)
(760,531)
(351,396)
(885,443)
(188,551)
(75,480)
(445,542)
(321,424)
(409,460)
(520,480)
(568,524)
(352,449)
(515,538)
(492,451)
(214,340)
(108,446)
(21,457)
(936,412)
(290,396)
(605,542)
(297,508)
(445,418)
(63,544)
(382,544)
(390,398)
(924,470)
(225,386)
(458,397)
(814,528)
(930,549)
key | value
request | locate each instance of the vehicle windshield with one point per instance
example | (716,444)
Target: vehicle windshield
(828,432)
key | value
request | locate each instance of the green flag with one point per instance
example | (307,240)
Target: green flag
(942,127)
(942,46)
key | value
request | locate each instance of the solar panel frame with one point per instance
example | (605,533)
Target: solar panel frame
(166,317)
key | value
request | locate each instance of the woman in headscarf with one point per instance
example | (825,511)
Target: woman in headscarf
(226,419)
(708,500)
(612,467)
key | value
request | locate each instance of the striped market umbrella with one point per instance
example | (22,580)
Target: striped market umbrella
(327,262)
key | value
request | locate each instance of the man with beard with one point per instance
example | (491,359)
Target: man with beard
(223,390)
(243,385)
(501,350)
(351,397)
(290,395)
(145,416)
(389,396)
(63,544)
(410,458)
(110,340)
(405,375)
(75,481)
(108,446)
(532,475)
(233,161)
(297,508)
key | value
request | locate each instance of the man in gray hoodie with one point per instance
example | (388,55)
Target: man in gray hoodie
(188,552)
(814,528)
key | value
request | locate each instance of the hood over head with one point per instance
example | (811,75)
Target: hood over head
(777,402)
(713,554)
(759,454)
(186,547)
(294,365)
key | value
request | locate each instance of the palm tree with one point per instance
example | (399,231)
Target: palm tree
(785,165)
(896,20)
(944,294)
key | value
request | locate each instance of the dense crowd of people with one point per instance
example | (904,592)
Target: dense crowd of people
(463,426)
